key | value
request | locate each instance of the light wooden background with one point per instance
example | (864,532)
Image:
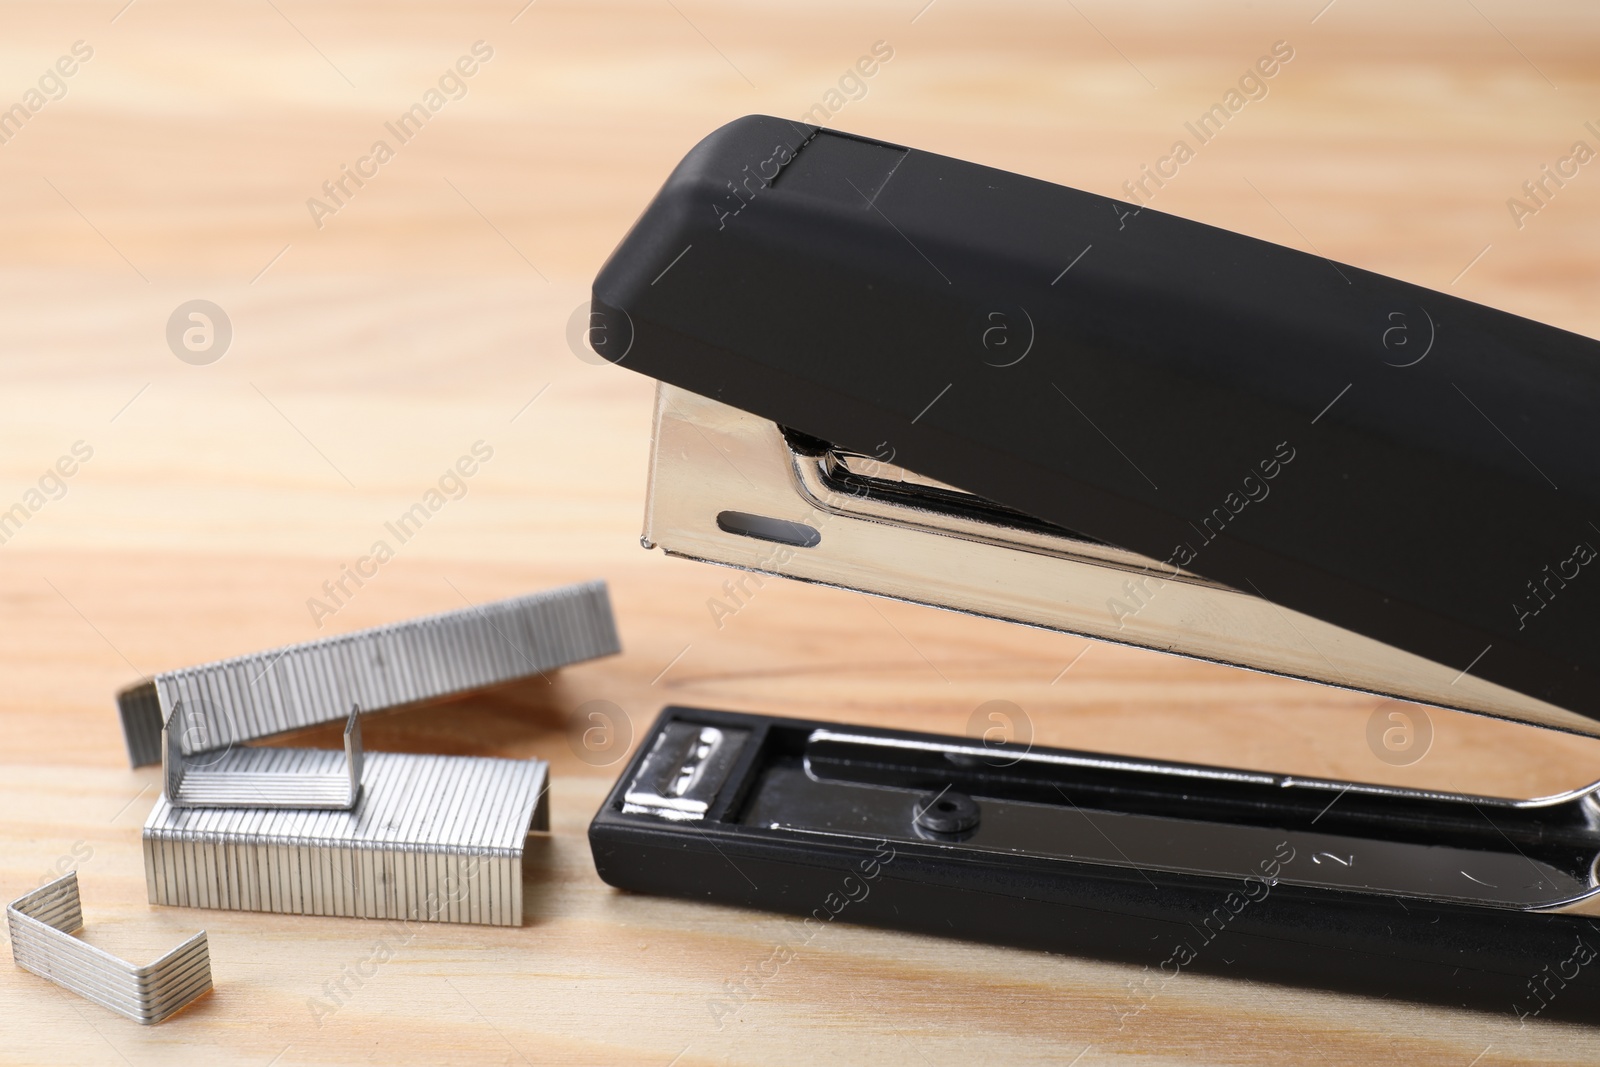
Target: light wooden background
(426,314)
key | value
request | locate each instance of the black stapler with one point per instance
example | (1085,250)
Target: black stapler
(897,372)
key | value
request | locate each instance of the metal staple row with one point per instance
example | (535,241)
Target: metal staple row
(276,691)
(261,777)
(432,838)
(41,925)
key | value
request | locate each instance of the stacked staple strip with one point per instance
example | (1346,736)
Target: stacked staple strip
(271,778)
(431,839)
(398,836)
(272,692)
(41,925)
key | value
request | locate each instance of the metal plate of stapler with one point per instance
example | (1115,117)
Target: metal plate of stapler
(1397,892)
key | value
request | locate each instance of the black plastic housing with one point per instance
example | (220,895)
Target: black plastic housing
(1522,964)
(1134,376)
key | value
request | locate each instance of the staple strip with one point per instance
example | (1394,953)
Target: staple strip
(431,839)
(140,711)
(41,925)
(270,778)
(276,691)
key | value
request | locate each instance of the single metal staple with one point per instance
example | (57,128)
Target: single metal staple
(42,924)
(260,777)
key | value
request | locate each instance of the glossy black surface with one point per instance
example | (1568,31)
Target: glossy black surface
(789,800)
(819,820)
(1397,461)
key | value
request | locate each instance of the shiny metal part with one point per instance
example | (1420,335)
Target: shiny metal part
(430,839)
(931,544)
(259,777)
(1523,855)
(279,690)
(682,773)
(865,488)
(42,924)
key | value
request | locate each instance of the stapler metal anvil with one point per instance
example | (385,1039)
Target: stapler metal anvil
(896,372)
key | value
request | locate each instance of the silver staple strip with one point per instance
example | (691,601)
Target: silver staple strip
(276,691)
(431,839)
(42,924)
(260,777)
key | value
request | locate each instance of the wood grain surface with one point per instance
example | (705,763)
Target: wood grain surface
(374,344)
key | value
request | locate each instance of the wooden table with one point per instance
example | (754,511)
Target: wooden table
(432,309)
